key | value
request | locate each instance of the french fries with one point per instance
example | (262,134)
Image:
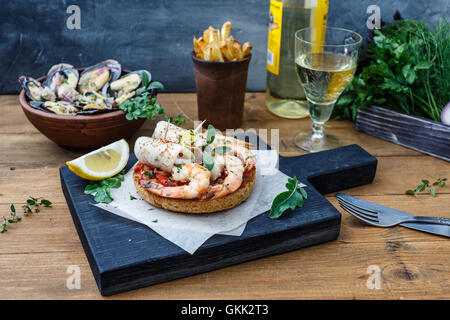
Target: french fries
(215,45)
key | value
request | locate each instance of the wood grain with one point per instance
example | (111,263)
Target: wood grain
(36,252)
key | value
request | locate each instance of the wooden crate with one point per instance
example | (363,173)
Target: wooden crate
(413,132)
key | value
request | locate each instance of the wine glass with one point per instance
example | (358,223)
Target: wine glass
(324,69)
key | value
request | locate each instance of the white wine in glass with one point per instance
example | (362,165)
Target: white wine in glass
(324,70)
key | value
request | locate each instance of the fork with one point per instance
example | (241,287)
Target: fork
(381,218)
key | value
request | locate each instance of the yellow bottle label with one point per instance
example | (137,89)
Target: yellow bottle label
(320,24)
(274,38)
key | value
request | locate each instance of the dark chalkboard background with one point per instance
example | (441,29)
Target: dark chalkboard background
(156,35)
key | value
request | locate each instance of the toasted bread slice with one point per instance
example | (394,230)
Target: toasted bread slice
(195,205)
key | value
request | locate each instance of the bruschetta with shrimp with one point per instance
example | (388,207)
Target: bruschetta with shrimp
(171,174)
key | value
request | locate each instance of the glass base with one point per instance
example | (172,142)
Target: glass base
(314,143)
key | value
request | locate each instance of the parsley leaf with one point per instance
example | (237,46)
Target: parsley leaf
(221,149)
(294,197)
(102,188)
(211,134)
(179,120)
(208,160)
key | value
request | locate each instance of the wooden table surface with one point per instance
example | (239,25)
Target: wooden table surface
(36,252)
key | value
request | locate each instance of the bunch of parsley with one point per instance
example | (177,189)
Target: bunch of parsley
(408,70)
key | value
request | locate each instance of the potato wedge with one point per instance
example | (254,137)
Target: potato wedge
(235,49)
(227,54)
(214,37)
(216,54)
(219,45)
(206,34)
(207,53)
(201,43)
(246,49)
(197,48)
(200,55)
(225,31)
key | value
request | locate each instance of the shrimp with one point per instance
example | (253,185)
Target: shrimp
(219,165)
(234,169)
(161,154)
(245,155)
(197,176)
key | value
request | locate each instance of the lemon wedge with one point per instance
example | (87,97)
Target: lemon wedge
(102,163)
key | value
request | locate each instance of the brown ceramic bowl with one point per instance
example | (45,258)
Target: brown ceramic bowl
(80,132)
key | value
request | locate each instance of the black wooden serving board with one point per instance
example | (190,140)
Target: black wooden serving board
(126,255)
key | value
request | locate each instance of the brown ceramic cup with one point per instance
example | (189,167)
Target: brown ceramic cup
(221,91)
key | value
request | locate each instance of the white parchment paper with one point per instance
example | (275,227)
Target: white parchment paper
(190,231)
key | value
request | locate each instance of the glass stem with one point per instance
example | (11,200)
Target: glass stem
(319,113)
(318,130)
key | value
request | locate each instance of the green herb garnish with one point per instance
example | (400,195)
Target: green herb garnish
(3,226)
(221,149)
(150,174)
(144,105)
(132,198)
(426,184)
(407,69)
(292,198)
(102,189)
(210,134)
(14,217)
(208,160)
(36,203)
(178,120)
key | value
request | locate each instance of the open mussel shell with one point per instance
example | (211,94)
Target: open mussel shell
(35,91)
(95,109)
(62,76)
(95,77)
(124,88)
(58,107)
(60,66)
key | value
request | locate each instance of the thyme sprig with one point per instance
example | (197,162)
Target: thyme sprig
(427,185)
(31,205)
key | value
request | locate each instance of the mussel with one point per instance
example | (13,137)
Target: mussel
(35,91)
(59,66)
(124,88)
(62,74)
(58,107)
(97,89)
(95,77)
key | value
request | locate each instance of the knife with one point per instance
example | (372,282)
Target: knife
(439,229)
